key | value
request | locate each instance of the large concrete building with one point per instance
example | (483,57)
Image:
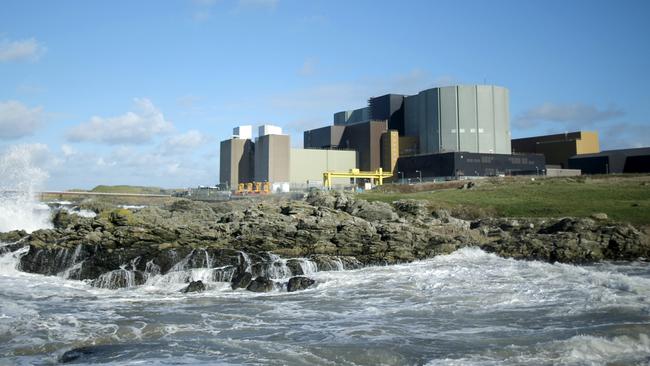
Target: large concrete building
(389,107)
(306,166)
(472,118)
(236,161)
(363,137)
(558,148)
(272,158)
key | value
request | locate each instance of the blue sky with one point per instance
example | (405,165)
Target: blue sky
(141,92)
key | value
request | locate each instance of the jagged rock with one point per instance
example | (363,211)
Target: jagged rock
(96,353)
(194,286)
(333,229)
(12,236)
(601,216)
(260,284)
(299,283)
(62,219)
(241,280)
(410,208)
(119,217)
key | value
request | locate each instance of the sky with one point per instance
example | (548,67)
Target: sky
(141,92)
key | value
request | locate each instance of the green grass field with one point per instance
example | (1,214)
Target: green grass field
(622,198)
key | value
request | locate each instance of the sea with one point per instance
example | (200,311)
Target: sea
(466,308)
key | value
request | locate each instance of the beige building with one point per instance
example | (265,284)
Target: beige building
(558,148)
(236,162)
(272,158)
(306,166)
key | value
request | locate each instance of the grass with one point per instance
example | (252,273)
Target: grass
(622,198)
(130,189)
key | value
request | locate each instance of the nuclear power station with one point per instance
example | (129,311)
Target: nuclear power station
(442,132)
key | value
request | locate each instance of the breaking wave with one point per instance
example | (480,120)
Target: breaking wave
(19,183)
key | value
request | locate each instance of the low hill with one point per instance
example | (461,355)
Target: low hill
(131,189)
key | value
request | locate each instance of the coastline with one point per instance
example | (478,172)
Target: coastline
(245,240)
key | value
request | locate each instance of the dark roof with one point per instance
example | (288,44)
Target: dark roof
(626,152)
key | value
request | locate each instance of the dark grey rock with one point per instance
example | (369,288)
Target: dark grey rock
(260,284)
(194,286)
(299,283)
(241,280)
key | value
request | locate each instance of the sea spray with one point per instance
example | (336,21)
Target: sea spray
(19,207)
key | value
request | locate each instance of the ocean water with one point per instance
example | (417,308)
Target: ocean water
(466,308)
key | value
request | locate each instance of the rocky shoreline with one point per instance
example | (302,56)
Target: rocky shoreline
(266,244)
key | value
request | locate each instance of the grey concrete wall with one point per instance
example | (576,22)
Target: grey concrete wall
(501,120)
(485,112)
(473,118)
(449,119)
(324,137)
(467,119)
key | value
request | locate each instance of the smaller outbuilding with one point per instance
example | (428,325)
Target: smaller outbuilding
(613,161)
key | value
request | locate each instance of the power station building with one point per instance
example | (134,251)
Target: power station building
(270,158)
(444,131)
(559,148)
(471,118)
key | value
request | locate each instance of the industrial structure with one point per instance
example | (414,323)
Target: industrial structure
(558,148)
(439,132)
(269,163)
(613,161)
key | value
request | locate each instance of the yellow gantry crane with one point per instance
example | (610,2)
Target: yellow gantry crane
(377,177)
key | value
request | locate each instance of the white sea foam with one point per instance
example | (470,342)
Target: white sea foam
(469,307)
(21,179)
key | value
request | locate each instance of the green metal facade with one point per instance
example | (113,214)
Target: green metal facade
(472,118)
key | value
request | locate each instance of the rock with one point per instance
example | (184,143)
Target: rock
(194,286)
(299,283)
(241,280)
(12,236)
(410,208)
(260,284)
(600,216)
(62,219)
(98,353)
(120,217)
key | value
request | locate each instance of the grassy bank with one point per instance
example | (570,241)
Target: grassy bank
(622,198)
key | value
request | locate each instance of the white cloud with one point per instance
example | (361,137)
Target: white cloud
(20,50)
(184,142)
(68,150)
(130,128)
(334,97)
(624,136)
(17,120)
(574,116)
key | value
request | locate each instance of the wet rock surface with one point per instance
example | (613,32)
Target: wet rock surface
(245,240)
(260,284)
(194,286)
(299,283)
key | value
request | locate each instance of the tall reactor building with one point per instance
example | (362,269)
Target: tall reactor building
(471,118)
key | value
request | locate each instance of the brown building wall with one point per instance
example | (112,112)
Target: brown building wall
(558,148)
(365,138)
(236,162)
(272,158)
(389,150)
(408,145)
